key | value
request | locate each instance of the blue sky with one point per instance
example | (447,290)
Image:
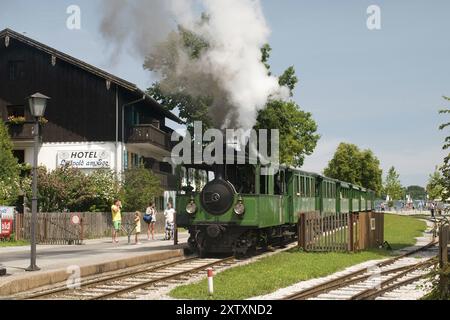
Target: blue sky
(378,89)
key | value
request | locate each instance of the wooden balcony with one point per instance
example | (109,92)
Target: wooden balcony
(149,134)
(21,131)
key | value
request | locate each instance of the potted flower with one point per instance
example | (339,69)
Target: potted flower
(16,120)
(43,121)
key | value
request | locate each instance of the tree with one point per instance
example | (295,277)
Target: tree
(445,169)
(70,189)
(392,185)
(298,136)
(435,187)
(417,192)
(139,187)
(9,169)
(358,167)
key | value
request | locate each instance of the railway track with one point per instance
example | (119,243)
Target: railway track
(373,282)
(136,284)
(139,283)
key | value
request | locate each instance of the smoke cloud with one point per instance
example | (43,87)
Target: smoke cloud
(229,70)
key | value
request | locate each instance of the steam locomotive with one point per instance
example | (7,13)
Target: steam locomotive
(237,209)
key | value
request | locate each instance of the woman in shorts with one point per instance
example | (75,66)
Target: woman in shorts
(150,219)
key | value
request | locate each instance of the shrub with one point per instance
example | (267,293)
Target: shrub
(9,169)
(139,187)
(69,189)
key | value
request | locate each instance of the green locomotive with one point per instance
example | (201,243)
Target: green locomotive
(236,209)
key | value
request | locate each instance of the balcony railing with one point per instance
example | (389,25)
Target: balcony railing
(21,131)
(149,134)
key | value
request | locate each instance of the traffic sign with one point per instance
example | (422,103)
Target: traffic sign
(75,219)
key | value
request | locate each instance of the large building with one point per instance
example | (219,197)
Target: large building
(84,114)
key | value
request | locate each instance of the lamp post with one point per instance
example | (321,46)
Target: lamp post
(37,103)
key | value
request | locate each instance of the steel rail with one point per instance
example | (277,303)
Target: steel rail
(154,281)
(109,279)
(349,278)
(373,292)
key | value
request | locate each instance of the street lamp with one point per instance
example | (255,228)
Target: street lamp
(38,103)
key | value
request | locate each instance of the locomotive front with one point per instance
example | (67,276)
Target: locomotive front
(215,213)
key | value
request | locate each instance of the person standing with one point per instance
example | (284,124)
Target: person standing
(137,226)
(150,219)
(432,208)
(116,211)
(169,214)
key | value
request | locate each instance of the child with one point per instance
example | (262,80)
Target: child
(137,223)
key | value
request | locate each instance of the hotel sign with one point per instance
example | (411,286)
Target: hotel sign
(92,159)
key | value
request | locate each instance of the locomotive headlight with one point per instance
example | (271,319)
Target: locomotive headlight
(239,208)
(191,208)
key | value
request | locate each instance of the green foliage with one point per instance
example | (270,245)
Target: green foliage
(69,189)
(417,192)
(9,169)
(392,186)
(289,79)
(298,136)
(358,167)
(445,169)
(435,187)
(140,186)
(265,53)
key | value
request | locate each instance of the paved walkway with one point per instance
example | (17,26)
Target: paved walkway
(93,257)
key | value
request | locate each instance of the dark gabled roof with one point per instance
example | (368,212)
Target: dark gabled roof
(89,68)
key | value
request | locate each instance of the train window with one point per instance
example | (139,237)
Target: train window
(313,186)
(307,188)
(279,183)
(302,186)
(297,185)
(183,177)
(263,184)
(191,178)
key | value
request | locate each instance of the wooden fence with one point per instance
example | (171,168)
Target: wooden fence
(56,228)
(340,232)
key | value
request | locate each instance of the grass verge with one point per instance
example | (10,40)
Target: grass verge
(13,243)
(287,268)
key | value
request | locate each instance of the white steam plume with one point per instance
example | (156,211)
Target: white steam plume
(230,70)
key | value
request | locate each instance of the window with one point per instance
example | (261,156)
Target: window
(16,111)
(308,187)
(19,155)
(302,186)
(297,185)
(16,70)
(263,184)
(279,183)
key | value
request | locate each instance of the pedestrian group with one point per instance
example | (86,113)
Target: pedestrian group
(149,218)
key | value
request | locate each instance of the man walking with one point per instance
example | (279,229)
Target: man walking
(116,210)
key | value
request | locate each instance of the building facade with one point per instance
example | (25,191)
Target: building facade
(93,120)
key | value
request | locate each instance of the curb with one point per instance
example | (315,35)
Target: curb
(28,282)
